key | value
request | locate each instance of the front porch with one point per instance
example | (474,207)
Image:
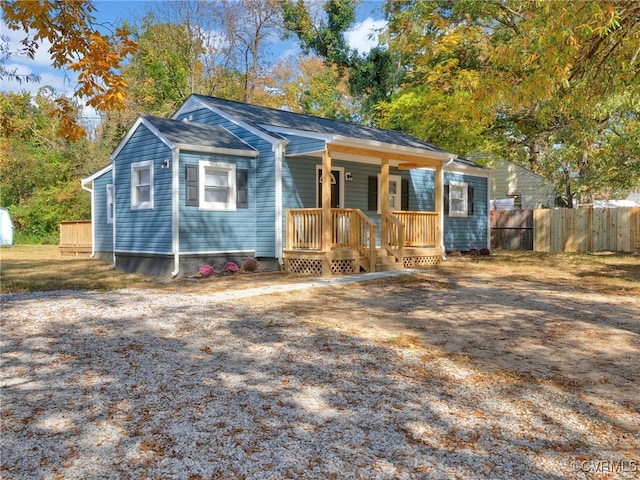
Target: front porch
(407,240)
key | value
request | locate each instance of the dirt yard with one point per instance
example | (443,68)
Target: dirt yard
(455,372)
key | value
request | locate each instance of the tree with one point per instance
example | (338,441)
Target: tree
(305,84)
(77,44)
(39,169)
(372,77)
(552,85)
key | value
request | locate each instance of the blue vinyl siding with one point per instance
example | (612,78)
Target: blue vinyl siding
(298,145)
(469,232)
(203,231)
(103,230)
(143,230)
(265,178)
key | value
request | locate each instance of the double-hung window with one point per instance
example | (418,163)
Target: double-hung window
(217,186)
(398,193)
(142,185)
(458,199)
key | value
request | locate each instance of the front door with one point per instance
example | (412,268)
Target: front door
(336,179)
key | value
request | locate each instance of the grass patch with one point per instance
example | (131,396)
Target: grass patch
(602,272)
(32,268)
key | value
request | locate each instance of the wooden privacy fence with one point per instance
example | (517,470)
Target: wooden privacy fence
(586,229)
(567,230)
(512,229)
(75,237)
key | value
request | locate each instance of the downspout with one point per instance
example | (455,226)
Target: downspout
(489,211)
(279,154)
(441,207)
(115,209)
(175,210)
(93,220)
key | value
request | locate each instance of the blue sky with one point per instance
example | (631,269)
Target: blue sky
(113,12)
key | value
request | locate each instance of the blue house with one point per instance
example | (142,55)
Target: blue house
(224,180)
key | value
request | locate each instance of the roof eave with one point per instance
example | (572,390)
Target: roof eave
(217,150)
(99,173)
(393,148)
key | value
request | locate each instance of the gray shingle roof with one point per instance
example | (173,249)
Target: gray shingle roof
(257,116)
(196,134)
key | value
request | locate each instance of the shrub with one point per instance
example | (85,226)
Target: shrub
(231,267)
(473,251)
(455,253)
(250,265)
(205,271)
(485,251)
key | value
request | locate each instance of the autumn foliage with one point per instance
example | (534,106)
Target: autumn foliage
(76,44)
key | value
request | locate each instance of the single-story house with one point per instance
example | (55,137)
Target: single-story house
(223,180)
(514,187)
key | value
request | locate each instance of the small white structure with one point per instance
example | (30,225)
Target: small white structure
(527,189)
(6,227)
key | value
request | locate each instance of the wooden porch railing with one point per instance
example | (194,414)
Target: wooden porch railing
(393,238)
(304,229)
(350,228)
(421,228)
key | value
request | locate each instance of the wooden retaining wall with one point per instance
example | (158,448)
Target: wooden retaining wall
(75,237)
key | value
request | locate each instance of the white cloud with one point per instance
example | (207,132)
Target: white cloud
(42,58)
(364,36)
(40,65)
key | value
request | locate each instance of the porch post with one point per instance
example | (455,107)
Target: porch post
(384,200)
(326,201)
(439,181)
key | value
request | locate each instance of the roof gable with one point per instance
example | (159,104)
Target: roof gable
(189,136)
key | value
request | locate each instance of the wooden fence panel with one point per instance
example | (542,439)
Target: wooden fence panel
(512,229)
(75,237)
(586,230)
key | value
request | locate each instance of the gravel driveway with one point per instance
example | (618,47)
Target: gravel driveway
(416,376)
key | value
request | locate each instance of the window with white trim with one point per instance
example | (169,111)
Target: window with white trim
(217,186)
(395,191)
(458,199)
(142,185)
(110,203)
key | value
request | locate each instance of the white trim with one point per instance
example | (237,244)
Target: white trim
(392,148)
(298,133)
(175,210)
(93,215)
(340,193)
(186,254)
(278,154)
(230,168)
(398,180)
(216,252)
(489,212)
(135,203)
(145,252)
(464,212)
(98,174)
(217,150)
(466,170)
(439,177)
